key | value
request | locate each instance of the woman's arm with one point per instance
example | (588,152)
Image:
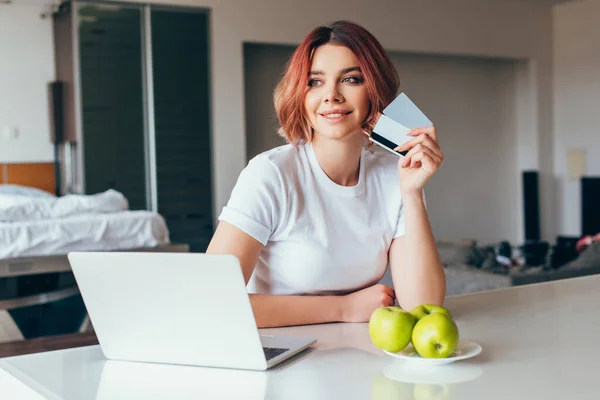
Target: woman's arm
(417,272)
(273,311)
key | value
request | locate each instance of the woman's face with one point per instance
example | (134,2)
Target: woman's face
(336,101)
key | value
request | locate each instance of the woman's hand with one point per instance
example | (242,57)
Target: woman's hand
(359,306)
(423,159)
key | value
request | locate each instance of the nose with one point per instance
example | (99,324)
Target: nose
(332,94)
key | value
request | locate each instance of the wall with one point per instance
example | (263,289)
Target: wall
(462,27)
(514,30)
(471,100)
(263,65)
(26,67)
(576,101)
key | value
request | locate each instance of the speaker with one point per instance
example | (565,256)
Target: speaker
(564,251)
(57,120)
(535,253)
(590,205)
(531,205)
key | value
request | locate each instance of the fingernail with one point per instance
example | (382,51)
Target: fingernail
(399,148)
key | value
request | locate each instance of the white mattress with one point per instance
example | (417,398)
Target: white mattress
(85,232)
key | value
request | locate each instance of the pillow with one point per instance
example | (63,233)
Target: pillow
(23,191)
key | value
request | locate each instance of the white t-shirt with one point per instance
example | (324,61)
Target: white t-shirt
(319,237)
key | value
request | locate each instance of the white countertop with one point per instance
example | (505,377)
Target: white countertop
(539,342)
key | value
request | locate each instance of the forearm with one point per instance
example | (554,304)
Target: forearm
(422,280)
(273,311)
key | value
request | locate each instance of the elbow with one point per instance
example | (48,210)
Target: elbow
(435,297)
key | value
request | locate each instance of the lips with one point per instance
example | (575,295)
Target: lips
(335,113)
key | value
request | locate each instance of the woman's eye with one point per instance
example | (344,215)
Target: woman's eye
(352,79)
(314,82)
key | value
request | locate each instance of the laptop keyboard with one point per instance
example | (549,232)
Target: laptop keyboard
(271,352)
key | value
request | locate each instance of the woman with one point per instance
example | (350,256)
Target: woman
(314,223)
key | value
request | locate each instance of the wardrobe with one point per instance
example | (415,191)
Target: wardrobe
(135,109)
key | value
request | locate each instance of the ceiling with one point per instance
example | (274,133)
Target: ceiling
(50,2)
(549,2)
(32,2)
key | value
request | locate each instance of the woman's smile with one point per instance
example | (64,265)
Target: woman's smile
(335,116)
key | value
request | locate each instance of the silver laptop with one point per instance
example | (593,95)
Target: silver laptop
(176,308)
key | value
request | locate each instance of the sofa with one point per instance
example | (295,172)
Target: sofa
(470,268)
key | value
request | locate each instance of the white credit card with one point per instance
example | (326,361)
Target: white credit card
(389,134)
(405,112)
(398,117)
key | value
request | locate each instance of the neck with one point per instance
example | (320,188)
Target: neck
(340,160)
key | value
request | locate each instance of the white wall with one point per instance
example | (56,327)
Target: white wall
(462,27)
(516,30)
(26,67)
(576,101)
(472,102)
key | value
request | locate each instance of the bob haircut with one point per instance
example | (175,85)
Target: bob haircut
(381,78)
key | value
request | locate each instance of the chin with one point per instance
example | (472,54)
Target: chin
(339,134)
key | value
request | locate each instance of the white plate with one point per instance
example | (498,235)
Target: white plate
(466,349)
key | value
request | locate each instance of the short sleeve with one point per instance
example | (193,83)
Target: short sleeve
(400,230)
(255,202)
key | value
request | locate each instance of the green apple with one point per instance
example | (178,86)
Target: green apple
(426,309)
(435,336)
(391,328)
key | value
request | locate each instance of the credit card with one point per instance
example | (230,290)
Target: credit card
(398,117)
(405,112)
(390,134)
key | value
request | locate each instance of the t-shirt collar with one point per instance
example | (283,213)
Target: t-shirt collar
(330,185)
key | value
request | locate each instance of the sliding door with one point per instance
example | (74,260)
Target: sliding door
(180,70)
(145,100)
(112,106)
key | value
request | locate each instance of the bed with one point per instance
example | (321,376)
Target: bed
(36,226)
(38,229)
(82,232)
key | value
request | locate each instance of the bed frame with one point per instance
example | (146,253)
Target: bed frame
(12,267)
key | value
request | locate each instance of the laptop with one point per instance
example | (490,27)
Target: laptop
(176,308)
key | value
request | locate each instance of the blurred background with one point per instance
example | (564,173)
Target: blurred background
(137,117)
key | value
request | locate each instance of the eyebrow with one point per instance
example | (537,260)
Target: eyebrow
(344,71)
